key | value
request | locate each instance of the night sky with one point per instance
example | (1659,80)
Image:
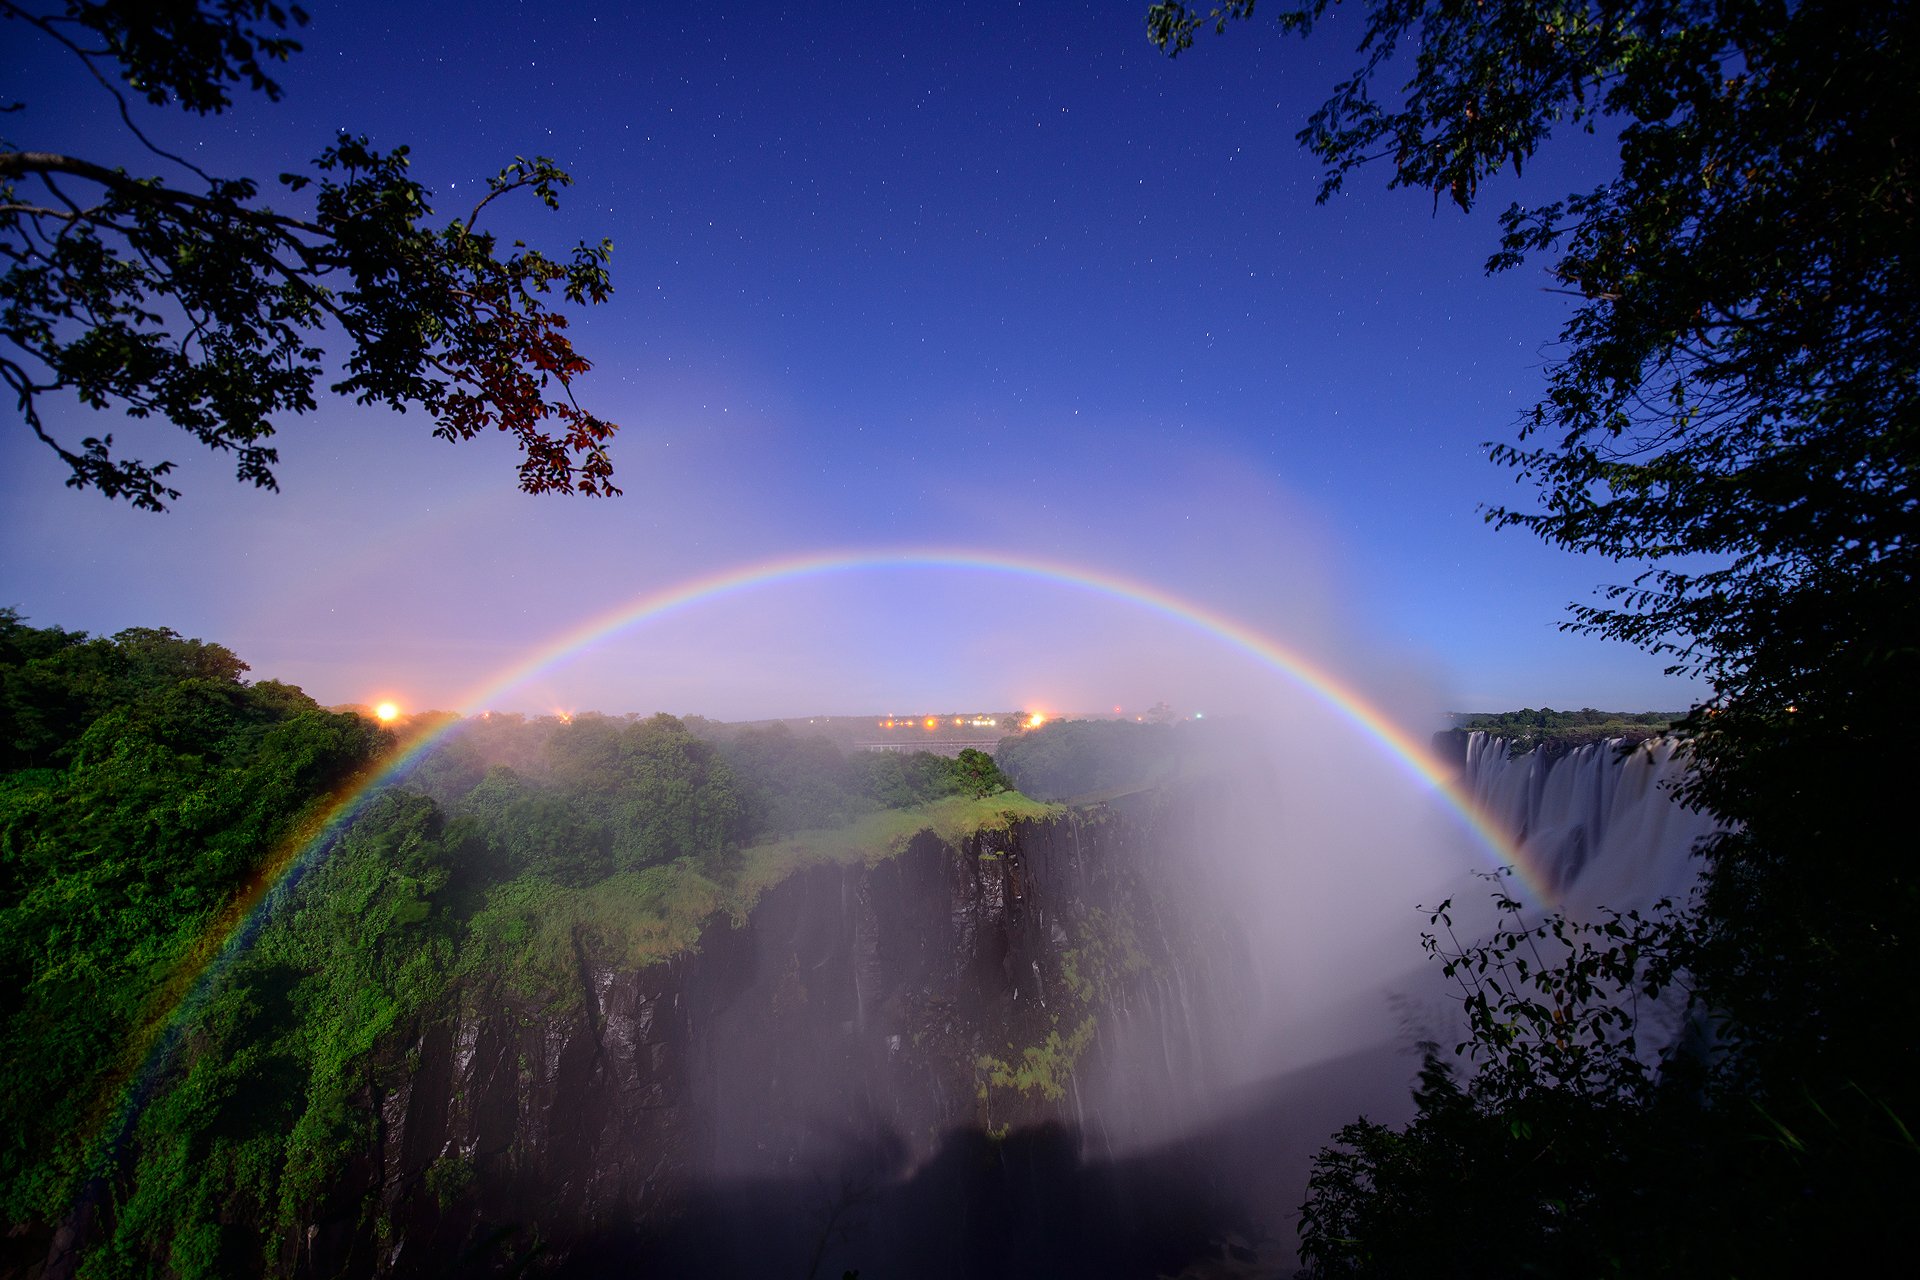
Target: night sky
(990,276)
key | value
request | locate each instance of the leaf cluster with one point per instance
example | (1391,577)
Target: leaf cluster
(182,54)
(265,1104)
(1530,1163)
(1735,398)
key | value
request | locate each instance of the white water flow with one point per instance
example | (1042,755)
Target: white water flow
(1603,830)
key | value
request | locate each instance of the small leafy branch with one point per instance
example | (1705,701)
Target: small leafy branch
(1556,1004)
(1544,1138)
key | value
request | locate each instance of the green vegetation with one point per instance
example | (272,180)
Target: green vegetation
(268,1103)
(530,932)
(880,835)
(977,773)
(1045,1069)
(1733,405)
(1528,728)
(1590,1158)
(1105,956)
(640,790)
(1096,971)
(147,785)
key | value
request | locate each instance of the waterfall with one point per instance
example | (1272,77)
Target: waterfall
(1603,829)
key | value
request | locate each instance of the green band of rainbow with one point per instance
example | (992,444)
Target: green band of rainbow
(193,978)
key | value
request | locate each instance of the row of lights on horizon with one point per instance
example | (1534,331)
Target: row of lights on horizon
(930,723)
(1026,720)
(388,712)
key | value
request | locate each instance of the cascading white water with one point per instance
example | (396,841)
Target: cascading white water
(1602,830)
(1599,827)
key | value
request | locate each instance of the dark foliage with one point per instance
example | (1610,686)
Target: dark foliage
(1735,404)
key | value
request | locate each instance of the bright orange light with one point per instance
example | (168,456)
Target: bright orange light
(387,712)
(1037,719)
(931,722)
(564,717)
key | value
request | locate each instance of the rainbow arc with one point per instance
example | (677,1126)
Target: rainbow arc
(193,978)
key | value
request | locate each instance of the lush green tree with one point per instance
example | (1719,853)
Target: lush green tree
(902,779)
(660,792)
(1735,405)
(187,297)
(537,830)
(155,785)
(792,781)
(266,1105)
(978,774)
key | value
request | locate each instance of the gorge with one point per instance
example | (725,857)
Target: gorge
(676,997)
(1017,1054)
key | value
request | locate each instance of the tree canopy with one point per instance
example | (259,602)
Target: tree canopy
(188,298)
(1735,404)
(146,787)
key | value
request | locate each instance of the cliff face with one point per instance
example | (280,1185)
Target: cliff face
(824,1053)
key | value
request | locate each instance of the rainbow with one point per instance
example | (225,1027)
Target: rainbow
(1413,756)
(194,977)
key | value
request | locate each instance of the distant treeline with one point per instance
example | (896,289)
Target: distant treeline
(641,790)
(1562,730)
(144,784)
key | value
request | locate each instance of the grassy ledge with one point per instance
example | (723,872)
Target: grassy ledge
(877,837)
(534,932)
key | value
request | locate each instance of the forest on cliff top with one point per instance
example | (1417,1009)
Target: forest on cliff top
(147,785)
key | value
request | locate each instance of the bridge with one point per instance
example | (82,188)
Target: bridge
(941,744)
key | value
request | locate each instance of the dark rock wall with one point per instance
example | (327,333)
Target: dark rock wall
(828,1048)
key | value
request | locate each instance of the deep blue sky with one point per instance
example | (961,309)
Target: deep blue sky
(987,275)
